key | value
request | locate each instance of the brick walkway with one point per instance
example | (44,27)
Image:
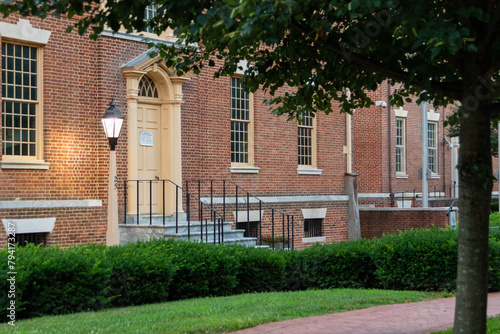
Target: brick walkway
(422,317)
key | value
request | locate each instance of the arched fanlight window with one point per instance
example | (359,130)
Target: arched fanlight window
(147,87)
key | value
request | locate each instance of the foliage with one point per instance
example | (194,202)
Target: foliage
(495,218)
(268,238)
(418,260)
(422,43)
(340,265)
(56,281)
(202,269)
(262,270)
(439,51)
(141,273)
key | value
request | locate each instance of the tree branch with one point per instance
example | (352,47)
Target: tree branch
(365,63)
(492,26)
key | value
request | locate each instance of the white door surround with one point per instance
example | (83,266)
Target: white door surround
(169,88)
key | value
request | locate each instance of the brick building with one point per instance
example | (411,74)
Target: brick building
(202,134)
(387,150)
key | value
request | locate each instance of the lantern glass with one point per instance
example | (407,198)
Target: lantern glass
(112,126)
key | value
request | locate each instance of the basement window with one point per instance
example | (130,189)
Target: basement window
(22,239)
(251,228)
(313,227)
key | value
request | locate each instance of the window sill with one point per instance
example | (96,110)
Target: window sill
(401,176)
(245,169)
(435,176)
(309,171)
(24,165)
(313,239)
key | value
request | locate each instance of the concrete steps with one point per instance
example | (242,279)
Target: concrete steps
(132,232)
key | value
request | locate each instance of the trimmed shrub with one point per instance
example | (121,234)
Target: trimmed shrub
(262,270)
(494,263)
(495,219)
(417,260)
(57,281)
(89,277)
(338,265)
(142,273)
(203,269)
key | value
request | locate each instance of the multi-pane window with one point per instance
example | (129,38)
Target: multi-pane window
(313,227)
(432,146)
(149,14)
(147,87)
(20,84)
(305,140)
(241,122)
(400,146)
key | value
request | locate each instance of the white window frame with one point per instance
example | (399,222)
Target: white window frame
(312,168)
(23,33)
(401,146)
(401,114)
(432,147)
(248,166)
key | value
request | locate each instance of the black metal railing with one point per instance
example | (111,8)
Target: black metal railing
(225,194)
(195,209)
(436,191)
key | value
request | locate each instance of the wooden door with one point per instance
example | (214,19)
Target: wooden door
(149,157)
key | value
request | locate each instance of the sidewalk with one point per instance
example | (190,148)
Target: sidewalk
(422,317)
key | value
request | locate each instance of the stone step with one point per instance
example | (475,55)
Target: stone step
(249,242)
(195,226)
(228,235)
(134,232)
(156,219)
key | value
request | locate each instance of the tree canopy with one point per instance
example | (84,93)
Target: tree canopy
(441,51)
(321,46)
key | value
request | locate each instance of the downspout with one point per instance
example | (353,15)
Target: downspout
(389,127)
(348,139)
(348,147)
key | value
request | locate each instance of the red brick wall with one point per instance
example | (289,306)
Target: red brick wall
(206,143)
(374,150)
(376,222)
(72,226)
(80,76)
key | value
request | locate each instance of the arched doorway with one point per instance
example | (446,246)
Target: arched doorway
(154,99)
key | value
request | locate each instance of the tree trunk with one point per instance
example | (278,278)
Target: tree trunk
(475,196)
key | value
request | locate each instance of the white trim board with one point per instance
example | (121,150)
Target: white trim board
(50,204)
(279,199)
(36,225)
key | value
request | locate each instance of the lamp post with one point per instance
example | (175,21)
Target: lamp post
(112,121)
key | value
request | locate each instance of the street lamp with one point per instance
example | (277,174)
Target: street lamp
(112,121)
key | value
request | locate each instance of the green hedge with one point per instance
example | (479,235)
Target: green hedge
(417,260)
(140,273)
(54,281)
(88,277)
(339,265)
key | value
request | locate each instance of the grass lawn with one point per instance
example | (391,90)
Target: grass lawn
(216,315)
(493,327)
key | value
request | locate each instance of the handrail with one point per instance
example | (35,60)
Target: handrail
(289,238)
(441,189)
(215,216)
